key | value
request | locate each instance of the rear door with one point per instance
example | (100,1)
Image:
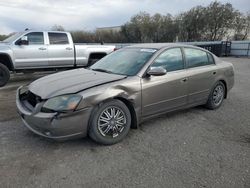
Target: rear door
(201,74)
(33,55)
(167,92)
(60,51)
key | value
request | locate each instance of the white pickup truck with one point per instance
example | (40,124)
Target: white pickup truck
(31,51)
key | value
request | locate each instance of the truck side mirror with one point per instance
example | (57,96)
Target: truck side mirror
(23,41)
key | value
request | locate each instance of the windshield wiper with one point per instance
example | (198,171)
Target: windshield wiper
(103,70)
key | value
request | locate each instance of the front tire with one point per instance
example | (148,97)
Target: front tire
(4,75)
(216,96)
(110,122)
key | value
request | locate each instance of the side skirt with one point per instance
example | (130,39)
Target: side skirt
(145,118)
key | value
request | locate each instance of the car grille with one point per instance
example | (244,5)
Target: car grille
(31,98)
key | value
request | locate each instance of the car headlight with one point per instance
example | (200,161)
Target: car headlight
(62,103)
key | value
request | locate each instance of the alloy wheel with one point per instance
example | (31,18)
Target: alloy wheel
(111,122)
(218,94)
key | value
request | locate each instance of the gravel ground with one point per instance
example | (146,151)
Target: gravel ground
(189,148)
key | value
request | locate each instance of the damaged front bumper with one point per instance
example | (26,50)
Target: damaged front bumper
(58,126)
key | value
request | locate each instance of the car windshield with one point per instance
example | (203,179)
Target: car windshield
(12,37)
(127,61)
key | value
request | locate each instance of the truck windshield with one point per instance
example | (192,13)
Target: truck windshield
(13,37)
(128,61)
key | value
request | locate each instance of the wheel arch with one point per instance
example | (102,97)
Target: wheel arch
(225,84)
(134,121)
(5,59)
(97,55)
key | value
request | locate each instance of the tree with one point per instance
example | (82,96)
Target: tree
(83,36)
(192,24)
(146,28)
(164,27)
(219,20)
(109,36)
(138,28)
(242,26)
(57,28)
(3,37)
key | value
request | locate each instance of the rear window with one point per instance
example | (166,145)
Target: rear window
(58,38)
(195,57)
(210,59)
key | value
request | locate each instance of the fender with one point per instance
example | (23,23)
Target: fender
(9,63)
(129,94)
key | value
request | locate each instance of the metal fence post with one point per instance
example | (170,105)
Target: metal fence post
(248,49)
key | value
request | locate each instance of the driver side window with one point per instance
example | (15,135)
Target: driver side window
(171,60)
(34,38)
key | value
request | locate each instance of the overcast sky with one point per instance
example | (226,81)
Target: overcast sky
(16,15)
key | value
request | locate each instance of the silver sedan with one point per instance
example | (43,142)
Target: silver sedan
(123,89)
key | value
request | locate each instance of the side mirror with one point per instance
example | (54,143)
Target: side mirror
(156,71)
(23,41)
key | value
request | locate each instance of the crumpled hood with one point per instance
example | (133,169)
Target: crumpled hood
(71,81)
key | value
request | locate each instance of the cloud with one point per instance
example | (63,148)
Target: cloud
(16,15)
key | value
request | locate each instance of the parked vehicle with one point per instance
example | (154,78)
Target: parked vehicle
(123,89)
(45,50)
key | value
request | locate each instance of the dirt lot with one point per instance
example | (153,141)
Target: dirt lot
(190,148)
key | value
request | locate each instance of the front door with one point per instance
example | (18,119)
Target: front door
(33,55)
(167,92)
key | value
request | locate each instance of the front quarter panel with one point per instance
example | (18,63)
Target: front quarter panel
(128,89)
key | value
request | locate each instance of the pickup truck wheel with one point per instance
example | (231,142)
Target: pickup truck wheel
(4,75)
(110,122)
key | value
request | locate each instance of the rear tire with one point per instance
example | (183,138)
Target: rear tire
(4,75)
(110,122)
(216,96)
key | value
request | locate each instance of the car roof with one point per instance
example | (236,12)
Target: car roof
(31,30)
(160,45)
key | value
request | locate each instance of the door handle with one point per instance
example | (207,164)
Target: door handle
(42,48)
(184,79)
(214,72)
(68,48)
